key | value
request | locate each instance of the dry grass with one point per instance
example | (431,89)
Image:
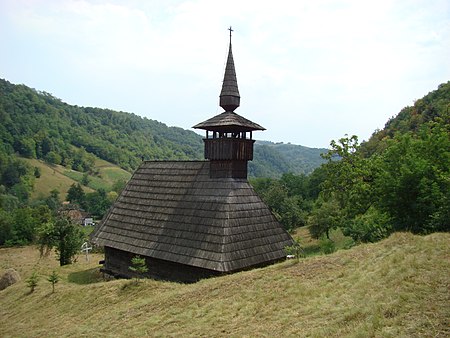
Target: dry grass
(52,177)
(60,178)
(396,288)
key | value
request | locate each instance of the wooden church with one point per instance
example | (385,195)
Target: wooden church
(196,219)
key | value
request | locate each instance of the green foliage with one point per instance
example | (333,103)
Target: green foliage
(69,238)
(371,226)
(283,198)
(46,238)
(76,194)
(53,157)
(63,235)
(6,231)
(53,201)
(327,246)
(275,159)
(119,185)
(38,125)
(85,180)
(98,203)
(37,172)
(295,250)
(138,266)
(32,281)
(400,179)
(53,279)
(414,182)
(325,216)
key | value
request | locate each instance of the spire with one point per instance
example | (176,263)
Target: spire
(229,96)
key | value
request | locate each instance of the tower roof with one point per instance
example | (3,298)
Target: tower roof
(227,122)
(229,96)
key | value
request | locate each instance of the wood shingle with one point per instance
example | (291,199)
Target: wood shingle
(174,211)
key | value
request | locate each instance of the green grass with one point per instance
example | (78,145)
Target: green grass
(395,288)
(60,178)
(313,247)
(108,175)
(52,177)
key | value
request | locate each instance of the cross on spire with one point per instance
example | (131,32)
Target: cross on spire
(231,30)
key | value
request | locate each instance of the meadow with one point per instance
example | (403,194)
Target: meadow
(398,287)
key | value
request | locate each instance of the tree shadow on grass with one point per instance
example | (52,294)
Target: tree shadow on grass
(86,276)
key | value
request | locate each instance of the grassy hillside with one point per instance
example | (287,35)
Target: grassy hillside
(395,288)
(60,178)
(52,177)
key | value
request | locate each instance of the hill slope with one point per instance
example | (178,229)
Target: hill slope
(37,125)
(61,178)
(397,287)
(433,107)
(273,159)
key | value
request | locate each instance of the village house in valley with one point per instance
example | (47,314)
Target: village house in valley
(196,219)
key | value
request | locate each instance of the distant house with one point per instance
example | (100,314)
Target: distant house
(196,219)
(88,221)
(76,214)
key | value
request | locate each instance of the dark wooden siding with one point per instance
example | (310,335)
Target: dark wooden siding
(117,263)
(229,149)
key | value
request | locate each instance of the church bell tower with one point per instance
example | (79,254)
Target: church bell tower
(228,141)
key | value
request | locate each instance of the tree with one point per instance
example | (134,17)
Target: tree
(138,266)
(371,226)
(85,180)
(291,213)
(32,281)
(6,220)
(53,157)
(119,185)
(75,194)
(37,172)
(413,187)
(98,203)
(348,192)
(63,235)
(53,278)
(325,216)
(53,201)
(23,227)
(69,238)
(349,176)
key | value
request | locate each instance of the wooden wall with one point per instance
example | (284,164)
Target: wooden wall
(117,263)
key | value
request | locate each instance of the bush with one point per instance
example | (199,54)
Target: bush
(32,281)
(327,246)
(372,226)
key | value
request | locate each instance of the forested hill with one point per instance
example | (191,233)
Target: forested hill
(38,125)
(272,159)
(433,107)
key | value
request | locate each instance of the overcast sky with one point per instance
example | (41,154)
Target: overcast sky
(308,71)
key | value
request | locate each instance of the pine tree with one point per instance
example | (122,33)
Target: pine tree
(53,278)
(32,281)
(138,266)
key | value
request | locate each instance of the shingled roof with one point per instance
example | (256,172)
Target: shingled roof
(228,121)
(174,211)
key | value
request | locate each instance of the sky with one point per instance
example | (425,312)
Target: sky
(308,71)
